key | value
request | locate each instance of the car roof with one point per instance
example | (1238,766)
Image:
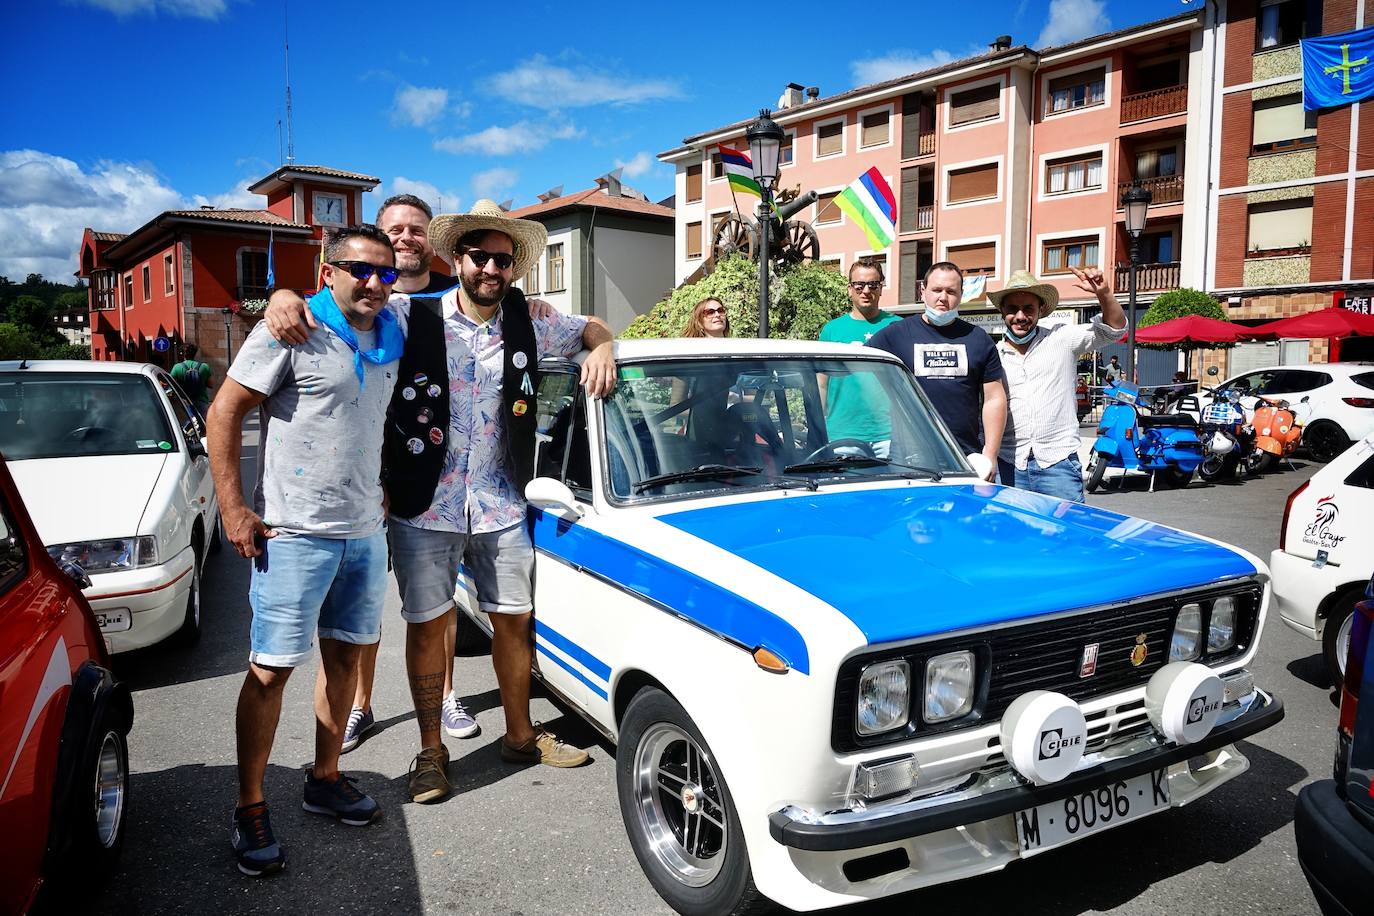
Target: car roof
(1352,368)
(75,365)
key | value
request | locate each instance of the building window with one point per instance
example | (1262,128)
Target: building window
(128,291)
(875,129)
(1281,123)
(1078,90)
(693,183)
(830,139)
(976,183)
(147,283)
(1078,173)
(1061,255)
(1164,74)
(831,264)
(785,152)
(531,283)
(717,167)
(913,260)
(973,260)
(252,274)
(1156,163)
(1157,248)
(827,211)
(555,255)
(982,103)
(694,240)
(1284,22)
(168,275)
(1280,227)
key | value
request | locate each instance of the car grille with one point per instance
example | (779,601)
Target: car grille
(1044,655)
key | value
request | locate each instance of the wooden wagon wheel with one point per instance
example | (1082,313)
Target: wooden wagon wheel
(799,242)
(735,235)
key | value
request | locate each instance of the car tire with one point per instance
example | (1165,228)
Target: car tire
(695,859)
(189,634)
(1336,634)
(98,819)
(1325,440)
(1097,467)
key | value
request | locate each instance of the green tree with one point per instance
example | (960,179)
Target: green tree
(1180,303)
(17,343)
(30,312)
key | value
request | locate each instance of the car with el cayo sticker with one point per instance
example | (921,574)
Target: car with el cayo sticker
(838,667)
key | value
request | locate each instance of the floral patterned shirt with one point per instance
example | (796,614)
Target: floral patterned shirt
(475,495)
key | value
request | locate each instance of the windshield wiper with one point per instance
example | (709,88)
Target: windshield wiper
(845,462)
(700,472)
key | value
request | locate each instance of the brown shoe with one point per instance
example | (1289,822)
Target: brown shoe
(429,775)
(543,748)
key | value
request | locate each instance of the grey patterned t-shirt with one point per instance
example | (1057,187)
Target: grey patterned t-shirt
(320,455)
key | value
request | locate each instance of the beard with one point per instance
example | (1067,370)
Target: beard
(472,286)
(412,263)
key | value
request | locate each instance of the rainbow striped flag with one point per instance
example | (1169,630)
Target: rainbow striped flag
(739,171)
(869,202)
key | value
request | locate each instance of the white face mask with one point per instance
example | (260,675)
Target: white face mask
(1029,336)
(940,319)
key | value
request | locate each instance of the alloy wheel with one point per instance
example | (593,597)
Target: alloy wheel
(680,804)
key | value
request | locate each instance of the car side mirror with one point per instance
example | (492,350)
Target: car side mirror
(982,464)
(78,575)
(1304,400)
(547,493)
(1213,371)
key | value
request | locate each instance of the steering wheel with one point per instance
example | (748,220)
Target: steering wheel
(829,449)
(83,432)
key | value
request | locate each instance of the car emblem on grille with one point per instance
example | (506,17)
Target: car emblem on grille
(1139,652)
(1087,663)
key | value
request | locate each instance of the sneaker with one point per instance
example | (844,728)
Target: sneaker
(339,798)
(543,748)
(429,775)
(359,724)
(457,722)
(255,846)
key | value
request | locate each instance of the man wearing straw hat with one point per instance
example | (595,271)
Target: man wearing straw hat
(1040,446)
(459,452)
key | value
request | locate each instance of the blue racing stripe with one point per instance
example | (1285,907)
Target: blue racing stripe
(573,671)
(591,662)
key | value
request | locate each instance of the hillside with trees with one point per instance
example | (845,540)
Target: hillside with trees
(27,312)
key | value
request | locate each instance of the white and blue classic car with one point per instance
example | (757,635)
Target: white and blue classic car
(835,663)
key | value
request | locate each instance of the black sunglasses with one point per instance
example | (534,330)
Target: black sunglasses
(480,258)
(860,285)
(361,270)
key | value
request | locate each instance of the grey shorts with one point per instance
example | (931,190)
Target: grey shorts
(500,564)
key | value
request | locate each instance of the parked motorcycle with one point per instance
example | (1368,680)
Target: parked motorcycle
(1228,438)
(1135,441)
(1278,431)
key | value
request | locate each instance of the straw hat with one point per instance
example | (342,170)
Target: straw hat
(1021,281)
(528,237)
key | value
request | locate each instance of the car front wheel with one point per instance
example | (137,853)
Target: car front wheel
(1325,440)
(1336,634)
(678,812)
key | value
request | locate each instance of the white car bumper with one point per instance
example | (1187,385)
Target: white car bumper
(140,607)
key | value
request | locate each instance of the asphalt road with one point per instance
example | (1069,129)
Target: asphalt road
(537,840)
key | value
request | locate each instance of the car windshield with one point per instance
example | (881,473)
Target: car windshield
(677,427)
(77,414)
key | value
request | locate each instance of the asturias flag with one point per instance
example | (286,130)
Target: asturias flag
(869,202)
(739,171)
(271,271)
(1336,69)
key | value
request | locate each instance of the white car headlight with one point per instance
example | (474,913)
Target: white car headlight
(884,697)
(1221,634)
(949,686)
(109,555)
(1186,643)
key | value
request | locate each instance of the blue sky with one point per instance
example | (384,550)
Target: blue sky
(126,108)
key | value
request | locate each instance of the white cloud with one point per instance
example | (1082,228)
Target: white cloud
(236,198)
(540,83)
(642,164)
(419,105)
(439,200)
(199,9)
(520,137)
(903,62)
(493,183)
(1070,20)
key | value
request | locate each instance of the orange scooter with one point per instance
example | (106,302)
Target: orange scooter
(1277,432)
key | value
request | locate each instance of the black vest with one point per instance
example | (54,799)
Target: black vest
(418,424)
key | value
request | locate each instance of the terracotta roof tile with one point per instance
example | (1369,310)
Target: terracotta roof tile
(594,198)
(107,236)
(331,173)
(265,217)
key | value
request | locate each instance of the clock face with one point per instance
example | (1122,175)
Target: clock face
(328,210)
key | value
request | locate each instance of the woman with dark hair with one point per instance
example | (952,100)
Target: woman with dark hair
(708,319)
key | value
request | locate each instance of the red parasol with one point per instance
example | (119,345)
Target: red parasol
(1191,329)
(1327,322)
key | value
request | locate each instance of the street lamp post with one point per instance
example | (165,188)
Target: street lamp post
(765,140)
(1136,202)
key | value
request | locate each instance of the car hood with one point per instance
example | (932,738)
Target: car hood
(919,561)
(83,499)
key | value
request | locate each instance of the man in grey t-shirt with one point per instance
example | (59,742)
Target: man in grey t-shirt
(315,527)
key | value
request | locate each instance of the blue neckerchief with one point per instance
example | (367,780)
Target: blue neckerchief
(390,341)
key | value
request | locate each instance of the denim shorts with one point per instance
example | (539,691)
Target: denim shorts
(303,583)
(501,565)
(1063,479)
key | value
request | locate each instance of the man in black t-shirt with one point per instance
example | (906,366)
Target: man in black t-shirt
(955,363)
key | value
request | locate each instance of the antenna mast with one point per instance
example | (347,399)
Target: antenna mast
(286,35)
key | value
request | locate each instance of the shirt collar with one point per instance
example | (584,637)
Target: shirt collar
(454,312)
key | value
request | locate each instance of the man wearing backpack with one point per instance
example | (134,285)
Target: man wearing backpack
(194,378)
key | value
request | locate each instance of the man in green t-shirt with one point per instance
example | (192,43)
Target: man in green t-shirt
(856,407)
(194,378)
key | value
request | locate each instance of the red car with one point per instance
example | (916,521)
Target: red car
(64,722)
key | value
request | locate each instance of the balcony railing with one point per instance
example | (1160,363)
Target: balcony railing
(1166,189)
(925,218)
(1154,104)
(927,143)
(1149,276)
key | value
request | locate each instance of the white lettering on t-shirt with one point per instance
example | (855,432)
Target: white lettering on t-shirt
(940,360)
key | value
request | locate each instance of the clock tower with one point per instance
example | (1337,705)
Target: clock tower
(316,196)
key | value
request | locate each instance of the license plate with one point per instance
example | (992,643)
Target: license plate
(1055,823)
(115,620)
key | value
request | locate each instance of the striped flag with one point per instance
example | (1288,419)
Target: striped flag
(869,202)
(739,171)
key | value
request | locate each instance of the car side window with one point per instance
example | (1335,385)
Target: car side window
(12,557)
(187,417)
(1362,476)
(561,449)
(1292,381)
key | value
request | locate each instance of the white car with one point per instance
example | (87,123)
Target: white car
(834,676)
(111,461)
(1326,551)
(1340,405)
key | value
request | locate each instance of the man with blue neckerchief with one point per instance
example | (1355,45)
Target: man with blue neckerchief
(315,526)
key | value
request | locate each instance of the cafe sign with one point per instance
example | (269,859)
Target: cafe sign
(1356,300)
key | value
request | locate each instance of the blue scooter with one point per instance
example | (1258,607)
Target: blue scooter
(1134,441)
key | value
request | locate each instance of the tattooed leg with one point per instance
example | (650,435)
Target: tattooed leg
(425,665)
